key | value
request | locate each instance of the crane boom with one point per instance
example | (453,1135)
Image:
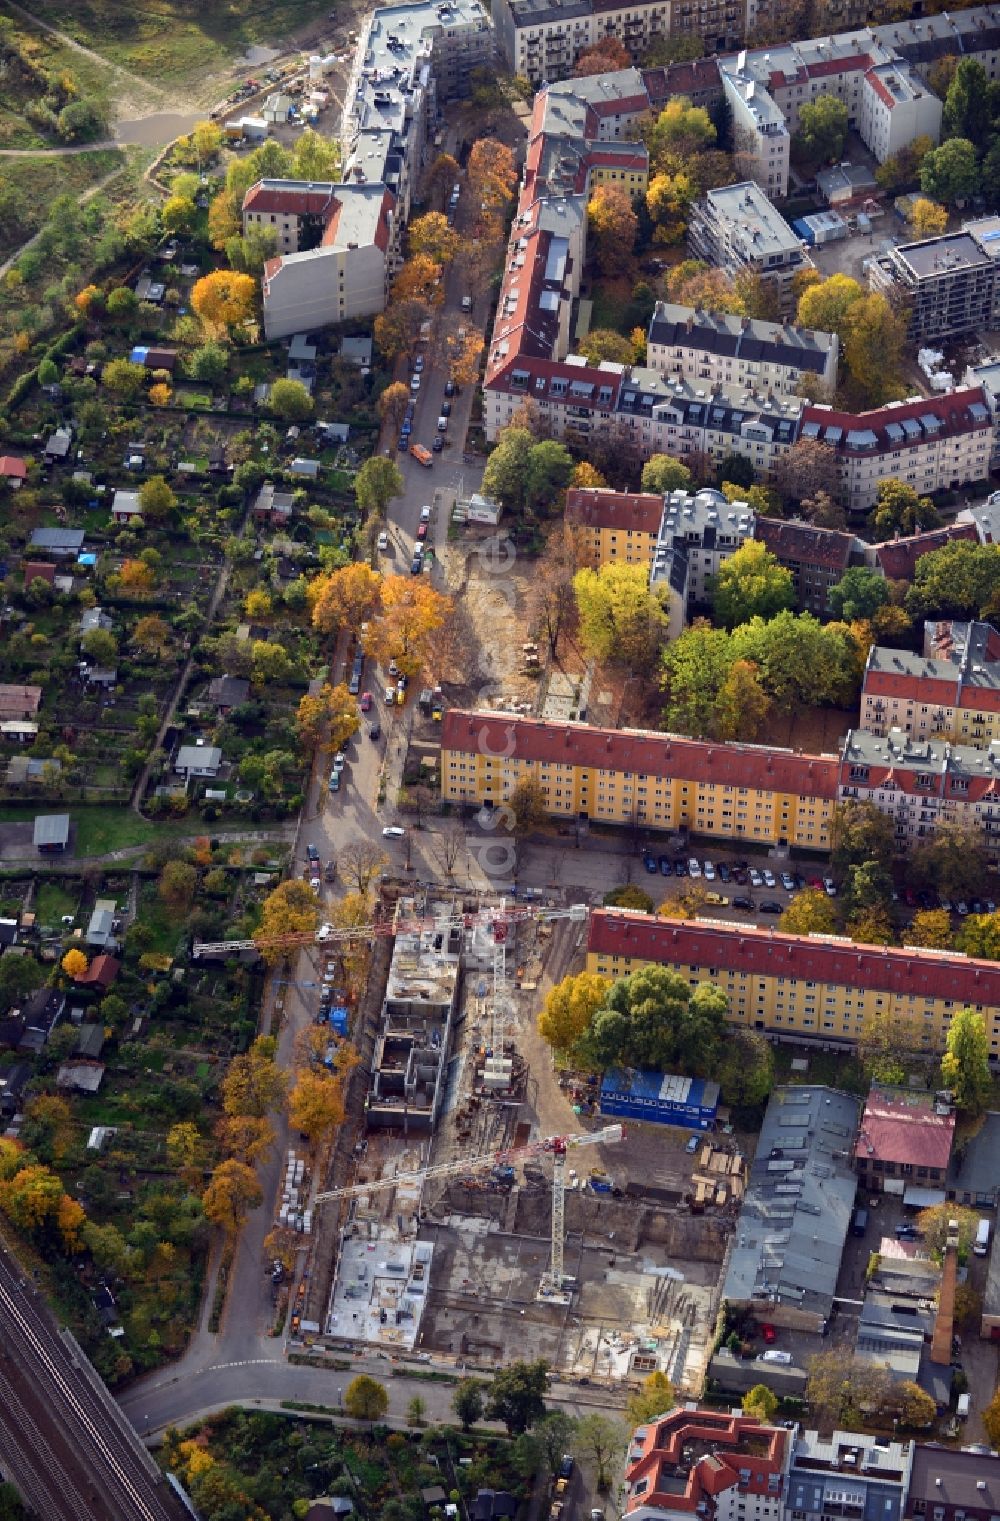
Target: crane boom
(558,1145)
(327,934)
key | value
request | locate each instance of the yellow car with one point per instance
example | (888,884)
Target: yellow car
(716,900)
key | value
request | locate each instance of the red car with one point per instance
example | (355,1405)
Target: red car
(769,1333)
(366,702)
(421,530)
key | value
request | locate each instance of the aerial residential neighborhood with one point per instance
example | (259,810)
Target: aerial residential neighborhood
(500,761)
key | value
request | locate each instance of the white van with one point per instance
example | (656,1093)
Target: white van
(963,1407)
(982,1241)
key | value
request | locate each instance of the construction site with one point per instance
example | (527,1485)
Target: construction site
(483,1185)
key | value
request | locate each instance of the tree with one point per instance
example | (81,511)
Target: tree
(100,646)
(810,912)
(678,133)
(528,805)
(291,909)
(177,885)
(316,158)
(442,174)
(124,378)
(653,1018)
(206,139)
(950,174)
(48,1126)
(874,345)
(19,976)
(81,121)
(551,601)
(746,1070)
(74,964)
(467,1401)
(269,663)
(604,343)
(822,511)
(156,498)
(392,404)
(620,618)
(952,860)
(859,593)
(969,106)
(160,394)
(926,218)
(859,832)
(178,213)
(232,1193)
(415,1411)
(822,130)
(376,483)
(604,57)
(361,862)
(930,928)
(991,1420)
(397,328)
(979,936)
(492,172)
(656,1398)
(137,577)
(750,584)
(899,509)
(568,1011)
(742,707)
(586,477)
(887,1044)
(224,300)
(806,469)
(464,356)
(694,669)
(223,220)
(209,363)
(365,1399)
(550,466)
(965,1066)
(419,279)
(331,713)
(506,469)
(937,1224)
(761,1402)
(629,896)
(246,1137)
(554,1434)
(183,1145)
(661,473)
(254,1084)
(411,611)
(344,598)
(600,1438)
(433,235)
(961,579)
(290,401)
(613,225)
(315,1104)
(517,1395)
(257,604)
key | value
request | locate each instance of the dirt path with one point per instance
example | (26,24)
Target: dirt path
(105,142)
(142,85)
(86,196)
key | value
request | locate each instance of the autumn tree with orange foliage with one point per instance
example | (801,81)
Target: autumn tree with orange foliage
(433,235)
(409,615)
(291,909)
(418,280)
(343,598)
(332,712)
(464,355)
(613,225)
(224,300)
(232,1193)
(246,1137)
(604,57)
(135,576)
(492,172)
(74,963)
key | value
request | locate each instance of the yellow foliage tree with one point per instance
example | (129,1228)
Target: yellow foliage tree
(223,223)
(246,1137)
(492,172)
(206,136)
(568,1010)
(434,236)
(411,612)
(224,299)
(315,1103)
(587,477)
(927,218)
(74,963)
(613,225)
(331,711)
(463,358)
(419,280)
(656,1398)
(160,394)
(291,909)
(257,603)
(343,598)
(183,1145)
(232,1192)
(136,577)
(254,1083)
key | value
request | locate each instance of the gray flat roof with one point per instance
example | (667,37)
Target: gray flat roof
(51,829)
(936,256)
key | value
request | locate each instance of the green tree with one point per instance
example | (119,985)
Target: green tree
(965,1066)
(517,1395)
(656,1398)
(365,1399)
(678,132)
(931,928)
(979,936)
(810,912)
(826,305)
(629,896)
(746,1069)
(952,860)
(653,1018)
(415,1411)
(177,885)
(549,468)
(600,1439)
(467,1402)
(209,363)
(822,130)
(750,584)
(100,646)
(554,1433)
(694,669)
(662,473)
(859,593)
(290,401)
(156,499)
(859,832)
(81,121)
(376,483)
(969,104)
(761,1402)
(620,618)
(316,158)
(959,580)
(937,1224)
(126,379)
(800,661)
(950,174)
(506,472)
(19,976)
(899,509)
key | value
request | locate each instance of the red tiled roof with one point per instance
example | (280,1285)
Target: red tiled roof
(640,752)
(951,410)
(932,689)
(898,558)
(102,971)
(607,156)
(896,1129)
(825,68)
(714,1452)
(766,952)
(804,544)
(600,507)
(700,77)
(288,199)
(13,468)
(884,95)
(38,570)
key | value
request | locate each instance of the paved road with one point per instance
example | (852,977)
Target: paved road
(63,1442)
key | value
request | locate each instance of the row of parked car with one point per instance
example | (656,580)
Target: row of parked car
(739,871)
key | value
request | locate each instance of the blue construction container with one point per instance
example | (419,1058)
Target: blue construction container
(339,1020)
(660,1097)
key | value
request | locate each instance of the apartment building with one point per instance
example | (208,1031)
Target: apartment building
(711,1464)
(905,1138)
(933,444)
(343,277)
(950,284)
(921,783)
(737,229)
(745,353)
(816,557)
(897,559)
(338,244)
(705,529)
(542,39)
(847,1473)
(950,691)
(813,988)
(953,1484)
(896,107)
(615,527)
(699,81)
(656,781)
(761,139)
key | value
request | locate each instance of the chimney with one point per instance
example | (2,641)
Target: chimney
(944,1325)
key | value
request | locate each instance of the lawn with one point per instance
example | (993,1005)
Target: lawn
(57,59)
(173,42)
(36,182)
(102,830)
(199,401)
(52,900)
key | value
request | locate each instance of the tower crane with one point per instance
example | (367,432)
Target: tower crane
(553,1281)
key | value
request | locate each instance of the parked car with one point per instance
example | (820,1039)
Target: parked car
(770,906)
(768,875)
(829,887)
(312,852)
(421,530)
(450,388)
(694,867)
(414,383)
(717,900)
(366,702)
(383,541)
(437,444)
(650,864)
(692,1145)
(375,732)
(339,761)
(334,781)
(776,1357)
(788,881)
(425,514)
(390,695)
(393,832)
(725,871)
(708,871)
(566,1466)
(680,867)
(756,880)
(665,866)
(745,905)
